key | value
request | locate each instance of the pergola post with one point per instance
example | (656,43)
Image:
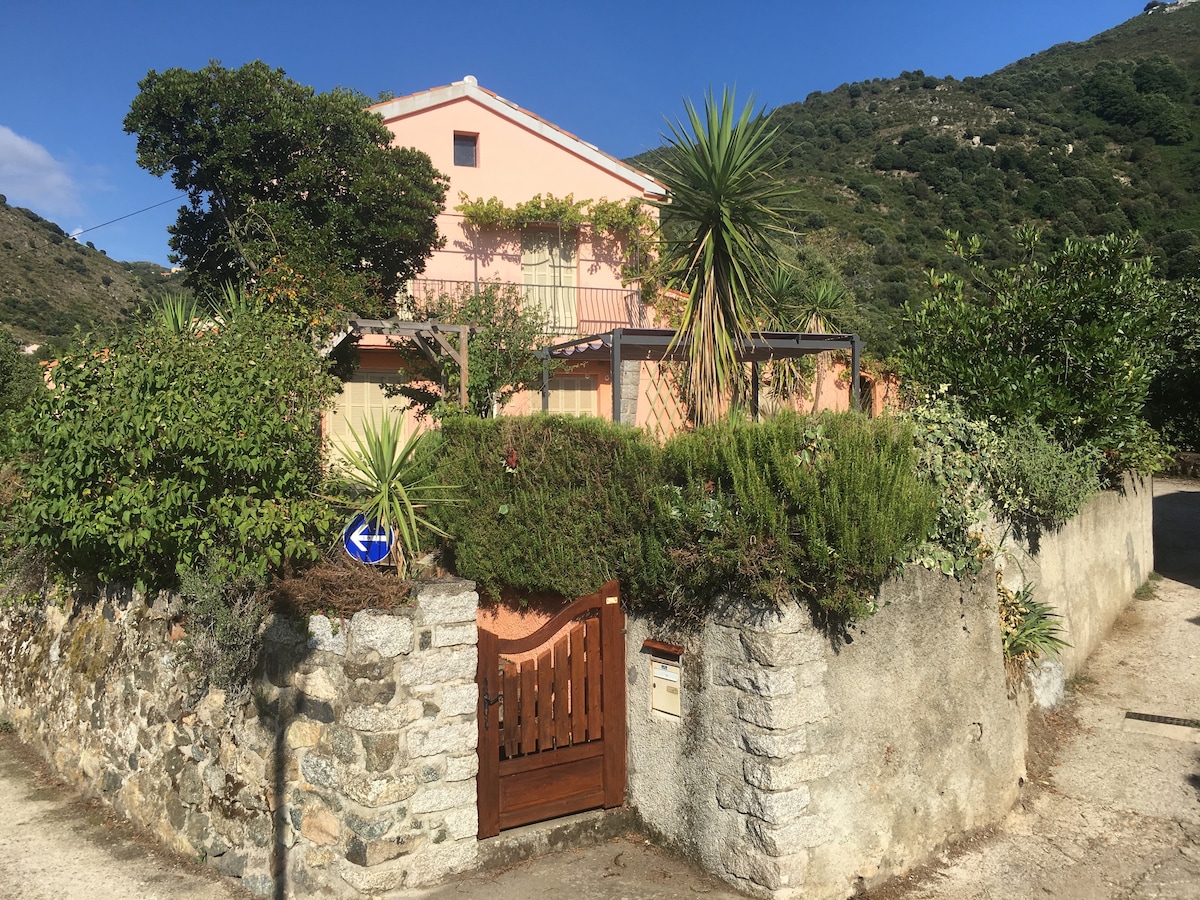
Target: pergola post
(615,373)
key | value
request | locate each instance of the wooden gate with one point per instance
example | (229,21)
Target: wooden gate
(552,716)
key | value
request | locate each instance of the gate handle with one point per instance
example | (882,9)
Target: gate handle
(489,702)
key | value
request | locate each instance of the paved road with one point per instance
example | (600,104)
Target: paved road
(1118,816)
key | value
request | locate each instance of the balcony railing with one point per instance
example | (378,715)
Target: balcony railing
(569,310)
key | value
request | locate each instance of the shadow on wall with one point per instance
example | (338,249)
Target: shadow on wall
(1176,524)
(280,667)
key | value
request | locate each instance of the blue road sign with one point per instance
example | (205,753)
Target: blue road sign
(365,541)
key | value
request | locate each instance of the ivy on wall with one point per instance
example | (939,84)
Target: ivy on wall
(625,220)
(619,218)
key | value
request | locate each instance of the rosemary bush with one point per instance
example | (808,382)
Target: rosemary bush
(816,509)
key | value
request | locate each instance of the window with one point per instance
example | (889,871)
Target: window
(573,395)
(466,149)
(362,400)
(548,272)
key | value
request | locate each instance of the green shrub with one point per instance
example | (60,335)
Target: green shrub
(820,510)
(954,453)
(816,509)
(222,623)
(165,451)
(551,504)
(1072,342)
(1038,485)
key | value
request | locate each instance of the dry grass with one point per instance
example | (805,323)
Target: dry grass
(338,586)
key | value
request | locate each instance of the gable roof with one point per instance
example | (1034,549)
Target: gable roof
(469,89)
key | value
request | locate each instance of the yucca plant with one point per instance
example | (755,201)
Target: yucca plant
(383,471)
(818,309)
(722,206)
(234,303)
(788,374)
(1030,628)
(177,313)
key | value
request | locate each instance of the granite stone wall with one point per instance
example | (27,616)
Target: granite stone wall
(1088,569)
(348,768)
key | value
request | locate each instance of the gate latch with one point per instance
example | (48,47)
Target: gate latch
(489,702)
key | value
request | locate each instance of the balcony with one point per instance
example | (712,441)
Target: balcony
(569,310)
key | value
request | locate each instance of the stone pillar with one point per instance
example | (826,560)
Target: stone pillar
(776,669)
(630,375)
(727,783)
(387,787)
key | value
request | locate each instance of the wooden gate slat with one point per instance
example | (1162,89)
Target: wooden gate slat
(545,702)
(592,642)
(562,694)
(528,707)
(511,706)
(612,621)
(579,716)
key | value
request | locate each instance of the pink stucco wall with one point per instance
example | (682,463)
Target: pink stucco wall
(515,161)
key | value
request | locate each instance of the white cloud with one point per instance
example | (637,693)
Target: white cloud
(30,176)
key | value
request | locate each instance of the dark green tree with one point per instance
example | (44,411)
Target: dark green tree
(1071,343)
(279,177)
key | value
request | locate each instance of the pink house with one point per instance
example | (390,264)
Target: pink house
(490,147)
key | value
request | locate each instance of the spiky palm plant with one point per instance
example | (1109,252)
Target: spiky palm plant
(177,313)
(382,469)
(780,290)
(722,204)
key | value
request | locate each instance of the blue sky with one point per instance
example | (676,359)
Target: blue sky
(609,72)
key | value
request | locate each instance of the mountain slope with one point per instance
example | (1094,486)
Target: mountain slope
(50,284)
(1082,139)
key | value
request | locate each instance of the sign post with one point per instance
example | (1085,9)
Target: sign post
(366,541)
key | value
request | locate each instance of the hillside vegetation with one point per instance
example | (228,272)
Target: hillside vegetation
(50,284)
(1083,139)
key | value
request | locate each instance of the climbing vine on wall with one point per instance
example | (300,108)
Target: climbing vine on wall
(627,220)
(620,218)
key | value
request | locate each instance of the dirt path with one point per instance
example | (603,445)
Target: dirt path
(1117,815)
(54,846)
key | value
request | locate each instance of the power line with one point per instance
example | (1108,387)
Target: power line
(128,215)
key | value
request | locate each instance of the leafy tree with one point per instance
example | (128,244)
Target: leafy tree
(723,204)
(500,361)
(1070,343)
(276,172)
(163,452)
(1174,402)
(18,374)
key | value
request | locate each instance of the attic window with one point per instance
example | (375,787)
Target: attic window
(466,149)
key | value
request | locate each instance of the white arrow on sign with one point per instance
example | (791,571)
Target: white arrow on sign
(364,534)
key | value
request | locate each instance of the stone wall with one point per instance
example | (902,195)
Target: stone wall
(800,764)
(1088,569)
(347,770)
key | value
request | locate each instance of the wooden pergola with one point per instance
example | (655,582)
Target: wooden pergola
(429,337)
